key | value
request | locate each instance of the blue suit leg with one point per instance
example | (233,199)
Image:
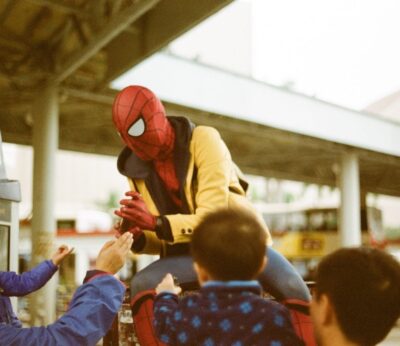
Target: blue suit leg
(281,280)
(148,278)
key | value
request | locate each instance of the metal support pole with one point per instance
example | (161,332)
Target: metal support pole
(45,144)
(350,225)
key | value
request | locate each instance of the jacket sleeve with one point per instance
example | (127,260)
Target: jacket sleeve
(88,318)
(13,284)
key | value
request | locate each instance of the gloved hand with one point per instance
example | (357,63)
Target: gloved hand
(136,211)
(134,230)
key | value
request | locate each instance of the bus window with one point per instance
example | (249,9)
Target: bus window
(298,221)
(287,221)
(276,222)
(331,221)
(375,224)
(317,221)
(364,221)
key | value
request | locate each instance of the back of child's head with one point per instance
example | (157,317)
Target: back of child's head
(230,244)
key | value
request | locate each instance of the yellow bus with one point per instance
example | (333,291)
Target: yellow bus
(302,233)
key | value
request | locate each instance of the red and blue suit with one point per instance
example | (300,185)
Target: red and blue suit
(178,172)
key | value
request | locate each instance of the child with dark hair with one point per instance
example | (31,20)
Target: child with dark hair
(228,249)
(357,297)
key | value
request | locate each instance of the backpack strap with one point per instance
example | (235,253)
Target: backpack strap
(142,312)
(300,315)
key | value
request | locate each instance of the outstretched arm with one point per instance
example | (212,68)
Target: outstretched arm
(89,317)
(30,281)
(20,285)
(91,310)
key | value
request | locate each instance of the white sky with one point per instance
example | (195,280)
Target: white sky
(342,51)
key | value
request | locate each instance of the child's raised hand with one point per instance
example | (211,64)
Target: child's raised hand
(113,254)
(168,285)
(62,252)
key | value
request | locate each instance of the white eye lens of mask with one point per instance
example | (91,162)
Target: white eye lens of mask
(137,128)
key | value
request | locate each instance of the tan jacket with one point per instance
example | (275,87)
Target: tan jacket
(216,184)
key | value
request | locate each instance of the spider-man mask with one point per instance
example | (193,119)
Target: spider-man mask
(140,119)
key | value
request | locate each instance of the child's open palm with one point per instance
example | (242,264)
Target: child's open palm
(62,252)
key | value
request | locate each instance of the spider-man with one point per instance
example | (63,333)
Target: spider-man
(177,173)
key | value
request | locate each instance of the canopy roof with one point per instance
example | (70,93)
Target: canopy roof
(83,45)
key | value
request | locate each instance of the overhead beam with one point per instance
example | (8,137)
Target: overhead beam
(159,29)
(116,5)
(89,96)
(42,16)
(20,78)
(114,27)
(292,158)
(187,14)
(61,7)
(240,97)
(16,129)
(274,173)
(7,9)
(16,40)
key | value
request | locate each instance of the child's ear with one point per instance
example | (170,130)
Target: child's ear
(329,316)
(196,268)
(263,264)
(202,274)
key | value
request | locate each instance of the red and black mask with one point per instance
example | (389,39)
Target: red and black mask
(140,119)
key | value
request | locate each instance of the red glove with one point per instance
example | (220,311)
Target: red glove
(136,231)
(136,211)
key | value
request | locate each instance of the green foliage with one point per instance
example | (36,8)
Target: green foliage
(392,233)
(288,197)
(112,202)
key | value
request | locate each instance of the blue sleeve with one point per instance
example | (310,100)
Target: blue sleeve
(165,309)
(13,284)
(89,317)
